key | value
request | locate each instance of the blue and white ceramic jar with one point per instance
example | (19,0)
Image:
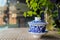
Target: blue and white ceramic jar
(37,26)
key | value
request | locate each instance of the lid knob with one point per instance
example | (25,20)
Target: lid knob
(37,18)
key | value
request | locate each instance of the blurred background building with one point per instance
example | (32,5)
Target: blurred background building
(12,14)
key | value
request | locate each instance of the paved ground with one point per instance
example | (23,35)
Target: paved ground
(23,34)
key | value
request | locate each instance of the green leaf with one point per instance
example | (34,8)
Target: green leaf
(27,1)
(31,2)
(34,5)
(34,13)
(55,14)
(24,14)
(38,15)
(28,4)
(35,9)
(44,3)
(41,1)
(41,11)
(27,15)
(30,13)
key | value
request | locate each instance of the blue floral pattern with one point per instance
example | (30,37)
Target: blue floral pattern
(37,26)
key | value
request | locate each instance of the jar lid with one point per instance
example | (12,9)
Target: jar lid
(37,22)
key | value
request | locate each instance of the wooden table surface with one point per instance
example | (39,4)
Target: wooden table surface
(17,34)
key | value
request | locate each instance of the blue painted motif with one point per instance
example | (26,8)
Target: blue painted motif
(37,26)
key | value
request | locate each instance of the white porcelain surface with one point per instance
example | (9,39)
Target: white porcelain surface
(38,35)
(37,18)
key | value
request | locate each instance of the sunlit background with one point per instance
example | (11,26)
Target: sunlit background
(20,10)
(3,2)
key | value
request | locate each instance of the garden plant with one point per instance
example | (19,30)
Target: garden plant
(37,7)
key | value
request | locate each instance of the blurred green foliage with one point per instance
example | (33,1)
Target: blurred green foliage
(40,5)
(37,7)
